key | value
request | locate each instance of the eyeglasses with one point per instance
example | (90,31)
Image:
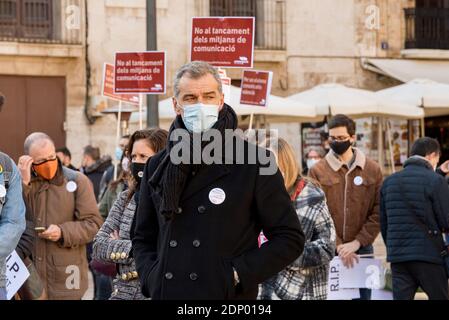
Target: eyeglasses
(339,138)
(38,163)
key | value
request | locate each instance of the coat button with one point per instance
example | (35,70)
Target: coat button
(135,274)
(169,276)
(173,244)
(124,277)
(123,255)
(179,211)
(193,276)
(201,209)
(196,243)
(435,232)
(112,256)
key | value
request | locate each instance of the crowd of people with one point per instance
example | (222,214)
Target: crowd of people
(161,224)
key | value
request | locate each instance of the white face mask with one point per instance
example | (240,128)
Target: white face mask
(125,164)
(311,163)
(200,117)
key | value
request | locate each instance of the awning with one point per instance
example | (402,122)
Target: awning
(406,70)
(427,94)
(333,98)
(278,107)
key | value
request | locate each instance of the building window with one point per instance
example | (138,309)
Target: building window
(270,19)
(427,25)
(26,19)
(39,21)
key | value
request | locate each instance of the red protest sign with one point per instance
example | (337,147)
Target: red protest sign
(140,72)
(223,41)
(256,87)
(108,87)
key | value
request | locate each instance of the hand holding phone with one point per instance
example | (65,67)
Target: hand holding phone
(40,229)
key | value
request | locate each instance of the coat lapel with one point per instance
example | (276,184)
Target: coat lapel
(204,178)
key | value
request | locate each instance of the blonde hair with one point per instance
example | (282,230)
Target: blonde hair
(286,160)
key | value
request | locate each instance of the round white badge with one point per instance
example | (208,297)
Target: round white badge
(358,181)
(71,186)
(140,174)
(217,196)
(2,191)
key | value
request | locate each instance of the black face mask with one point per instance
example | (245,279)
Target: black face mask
(137,170)
(340,147)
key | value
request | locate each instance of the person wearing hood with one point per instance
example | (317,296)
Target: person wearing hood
(307,277)
(352,183)
(113,244)
(94,166)
(65,216)
(199,214)
(414,215)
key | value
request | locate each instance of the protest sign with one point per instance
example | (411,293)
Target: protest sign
(140,72)
(223,41)
(256,87)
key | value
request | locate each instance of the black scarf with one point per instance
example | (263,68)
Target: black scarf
(171,179)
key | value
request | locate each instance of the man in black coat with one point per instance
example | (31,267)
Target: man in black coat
(414,212)
(198,224)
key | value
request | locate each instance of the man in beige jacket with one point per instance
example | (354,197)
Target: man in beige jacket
(351,182)
(62,203)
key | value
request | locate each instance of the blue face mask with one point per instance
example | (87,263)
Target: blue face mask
(200,117)
(118,153)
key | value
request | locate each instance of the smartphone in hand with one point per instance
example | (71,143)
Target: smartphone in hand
(40,229)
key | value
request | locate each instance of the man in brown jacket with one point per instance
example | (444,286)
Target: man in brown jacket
(352,185)
(66,217)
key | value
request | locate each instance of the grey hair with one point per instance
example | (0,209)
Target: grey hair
(318,150)
(196,70)
(34,138)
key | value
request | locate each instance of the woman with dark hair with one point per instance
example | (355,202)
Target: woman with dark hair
(113,242)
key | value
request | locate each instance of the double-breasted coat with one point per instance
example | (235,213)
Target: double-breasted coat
(222,211)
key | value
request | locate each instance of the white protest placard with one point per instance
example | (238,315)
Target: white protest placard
(335,291)
(367,273)
(16,273)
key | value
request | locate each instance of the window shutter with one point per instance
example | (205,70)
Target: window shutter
(36,19)
(9,18)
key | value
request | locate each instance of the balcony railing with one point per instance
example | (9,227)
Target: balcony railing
(427,28)
(270,19)
(42,21)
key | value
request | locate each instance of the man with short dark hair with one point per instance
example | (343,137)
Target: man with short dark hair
(94,166)
(351,182)
(414,212)
(65,156)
